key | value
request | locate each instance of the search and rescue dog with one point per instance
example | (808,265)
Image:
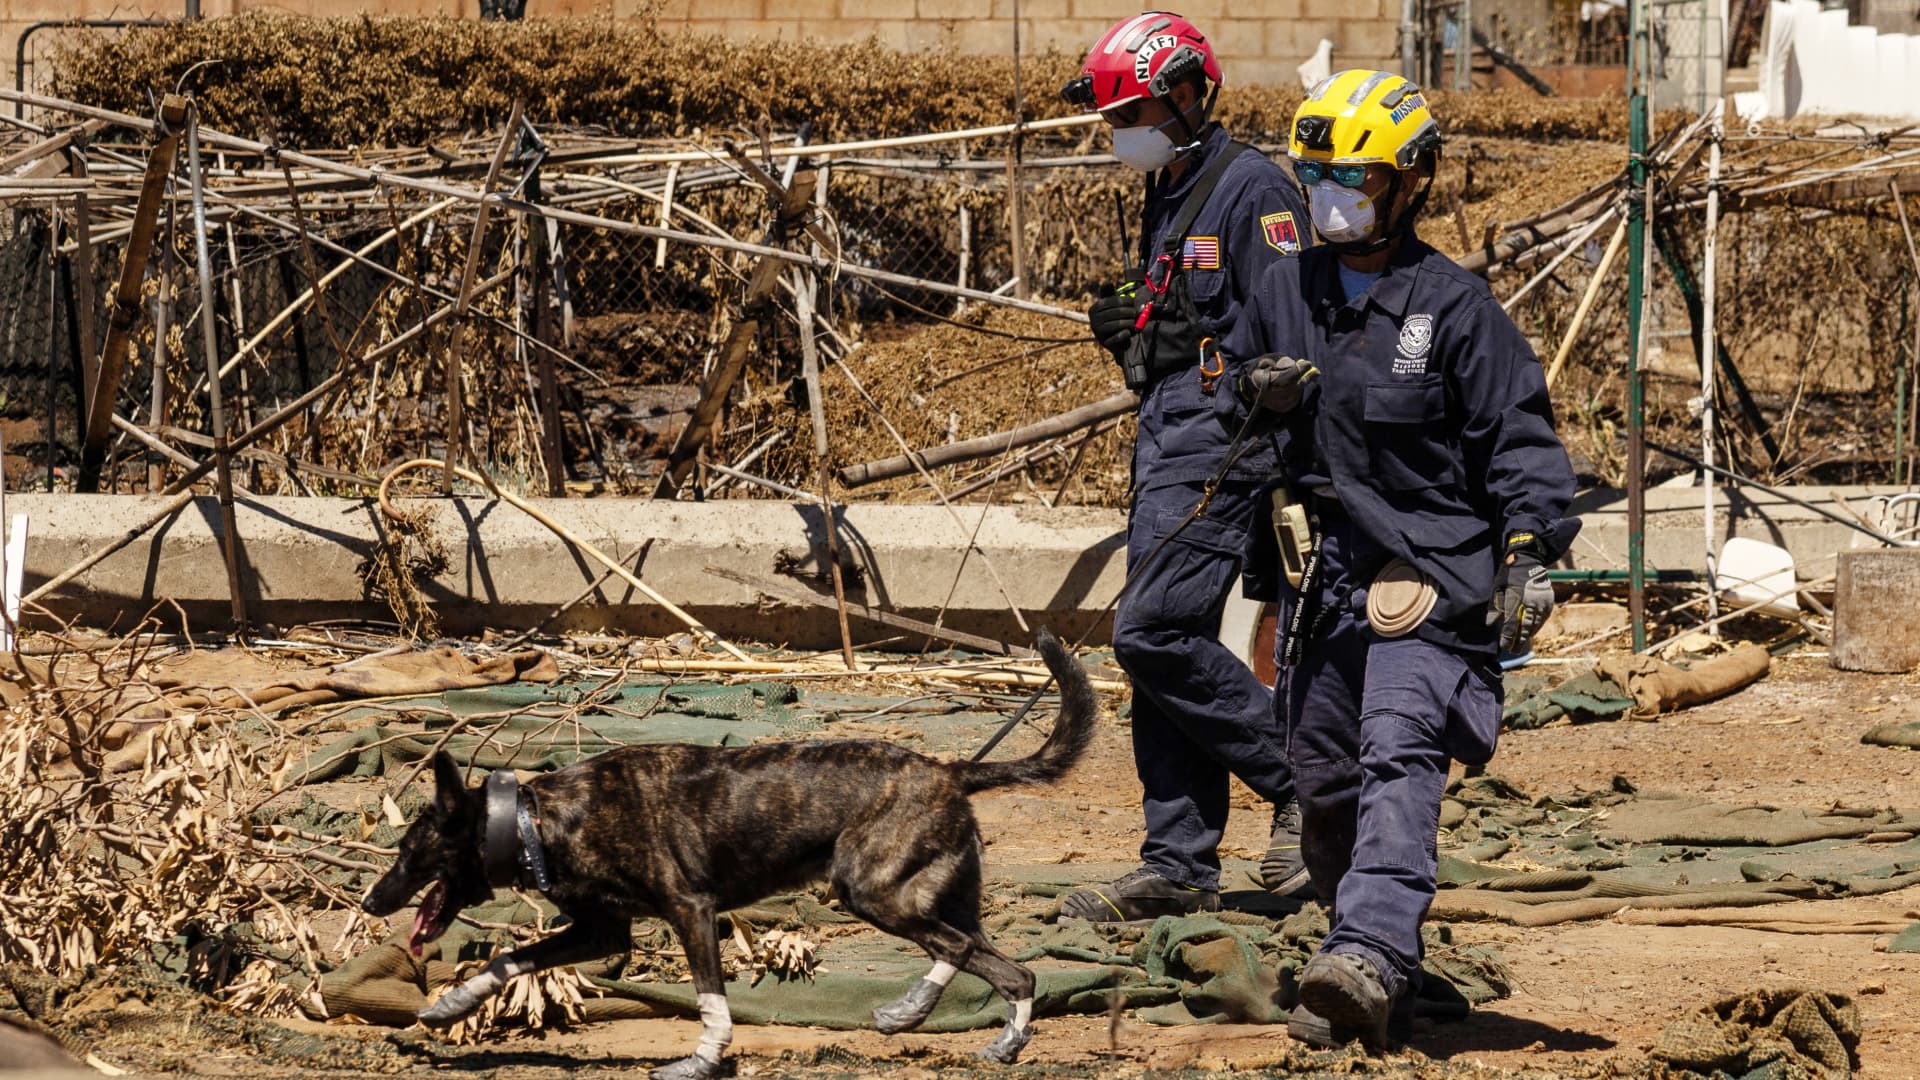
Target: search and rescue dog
(684,833)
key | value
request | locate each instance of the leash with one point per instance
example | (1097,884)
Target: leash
(1236,449)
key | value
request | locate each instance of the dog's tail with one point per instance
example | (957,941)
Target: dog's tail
(1071,734)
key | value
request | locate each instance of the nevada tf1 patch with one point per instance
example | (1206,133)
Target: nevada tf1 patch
(1201,253)
(1282,234)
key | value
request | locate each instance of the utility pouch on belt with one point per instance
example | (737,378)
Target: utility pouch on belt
(1399,599)
(1293,534)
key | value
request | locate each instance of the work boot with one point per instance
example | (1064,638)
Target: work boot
(1306,1026)
(1347,990)
(1137,895)
(1282,871)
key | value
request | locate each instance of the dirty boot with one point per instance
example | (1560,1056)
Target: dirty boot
(1137,895)
(1306,1026)
(1282,871)
(1347,991)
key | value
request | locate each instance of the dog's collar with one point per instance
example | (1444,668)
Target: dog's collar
(513,853)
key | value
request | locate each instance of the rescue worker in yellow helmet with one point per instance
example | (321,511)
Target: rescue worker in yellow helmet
(1421,496)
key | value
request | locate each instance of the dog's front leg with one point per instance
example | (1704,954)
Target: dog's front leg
(694,924)
(582,940)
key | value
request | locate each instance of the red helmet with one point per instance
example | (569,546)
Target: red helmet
(1145,56)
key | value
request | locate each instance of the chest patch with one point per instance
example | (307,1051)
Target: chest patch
(1282,234)
(1201,253)
(1416,341)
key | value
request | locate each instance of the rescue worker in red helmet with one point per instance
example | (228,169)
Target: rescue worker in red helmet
(1423,494)
(1217,215)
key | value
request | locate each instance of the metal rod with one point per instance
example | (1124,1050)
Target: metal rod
(1708,342)
(1638,206)
(210,340)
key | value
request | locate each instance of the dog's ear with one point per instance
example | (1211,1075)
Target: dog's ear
(449,787)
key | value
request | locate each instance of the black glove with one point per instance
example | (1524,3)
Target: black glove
(1111,318)
(1276,383)
(1522,595)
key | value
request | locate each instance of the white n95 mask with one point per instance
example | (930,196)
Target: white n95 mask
(1340,214)
(1144,148)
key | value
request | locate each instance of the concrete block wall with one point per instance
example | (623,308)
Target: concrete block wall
(1259,41)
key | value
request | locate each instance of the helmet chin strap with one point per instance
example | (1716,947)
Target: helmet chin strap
(1191,133)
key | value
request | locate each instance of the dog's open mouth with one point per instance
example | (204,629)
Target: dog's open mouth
(432,918)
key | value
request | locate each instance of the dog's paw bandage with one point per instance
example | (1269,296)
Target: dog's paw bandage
(716,1028)
(918,1003)
(1013,1038)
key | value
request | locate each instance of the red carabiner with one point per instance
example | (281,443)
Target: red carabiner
(1164,264)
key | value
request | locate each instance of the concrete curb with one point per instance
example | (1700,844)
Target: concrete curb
(305,557)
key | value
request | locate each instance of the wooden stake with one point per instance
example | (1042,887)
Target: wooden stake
(126,300)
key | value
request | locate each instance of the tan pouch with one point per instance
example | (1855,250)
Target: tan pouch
(1399,599)
(1291,532)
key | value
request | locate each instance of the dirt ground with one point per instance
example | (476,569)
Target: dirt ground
(1590,998)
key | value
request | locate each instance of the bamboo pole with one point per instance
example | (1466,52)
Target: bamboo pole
(1586,301)
(816,409)
(216,411)
(456,388)
(563,533)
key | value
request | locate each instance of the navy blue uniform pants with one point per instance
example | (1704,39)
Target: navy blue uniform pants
(1199,713)
(1372,726)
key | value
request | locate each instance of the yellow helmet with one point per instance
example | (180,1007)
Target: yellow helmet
(1362,117)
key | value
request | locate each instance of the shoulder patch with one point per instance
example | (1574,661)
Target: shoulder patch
(1201,253)
(1282,234)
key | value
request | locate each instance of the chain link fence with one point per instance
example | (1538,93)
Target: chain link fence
(1689,49)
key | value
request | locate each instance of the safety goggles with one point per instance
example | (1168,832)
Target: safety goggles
(1312,172)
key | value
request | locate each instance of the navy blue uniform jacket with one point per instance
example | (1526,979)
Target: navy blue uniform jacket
(1430,419)
(1254,219)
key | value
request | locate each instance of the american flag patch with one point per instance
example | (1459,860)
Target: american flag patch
(1201,253)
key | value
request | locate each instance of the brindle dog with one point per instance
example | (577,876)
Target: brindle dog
(686,832)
